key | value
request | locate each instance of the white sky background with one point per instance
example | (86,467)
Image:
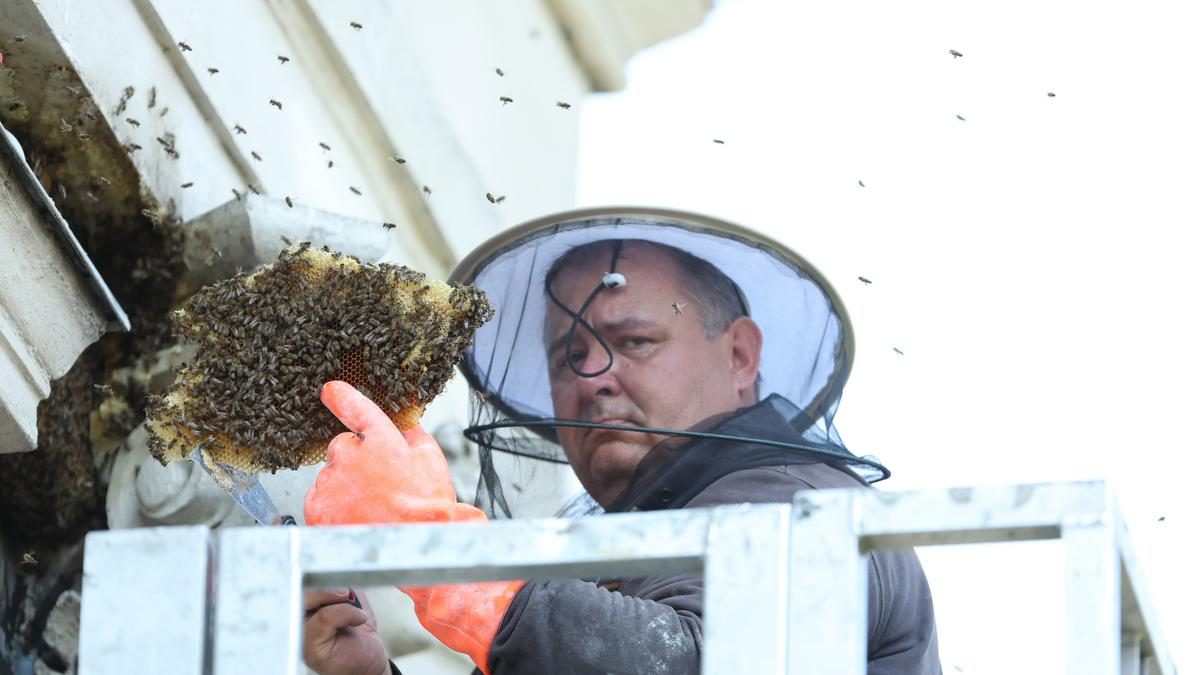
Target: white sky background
(1035,262)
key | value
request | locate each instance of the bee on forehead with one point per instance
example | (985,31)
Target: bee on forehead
(283,59)
(277,104)
(504,100)
(213,71)
(183,46)
(564,105)
(678,307)
(238,128)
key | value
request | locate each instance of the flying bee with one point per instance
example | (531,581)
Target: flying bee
(64,128)
(84,137)
(102,180)
(153,217)
(132,147)
(250,187)
(490,198)
(897,350)
(239,129)
(133,122)
(286,241)
(861,184)
(103,389)
(500,72)
(718,141)
(282,59)
(153,97)
(163,112)
(28,559)
(255,155)
(389,226)
(236,195)
(163,142)
(678,307)
(956,54)
(213,71)
(187,185)
(426,190)
(329,165)
(356,25)
(324,147)
(277,104)
(504,100)
(76,91)
(355,190)
(564,105)
(398,159)
(1051,94)
(18,38)
(289,201)
(500,198)
(865,280)
(185,47)
(961,118)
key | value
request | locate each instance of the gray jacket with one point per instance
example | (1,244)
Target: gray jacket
(655,624)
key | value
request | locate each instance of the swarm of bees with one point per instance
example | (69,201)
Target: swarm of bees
(268,341)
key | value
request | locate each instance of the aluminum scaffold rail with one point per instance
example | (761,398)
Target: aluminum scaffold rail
(784,584)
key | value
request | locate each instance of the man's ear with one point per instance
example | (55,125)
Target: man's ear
(745,354)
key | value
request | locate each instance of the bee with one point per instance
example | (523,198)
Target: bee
(355,190)
(500,72)
(250,187)
(490,198)
(185,47)
(426,190)
(1051,94)
(154,218)
(28,559)
(213,71)
(91,196)
(897,350)
(356,25)
(324,147)
(961,118)
(103,389)
(133,122)
(187,185)
(236,195)
(163,142)
(132,147)
(861,184)
(361,435)
(389,226)
(103,181)
(500,198)
(18,38)
(277,104)
(282,59)
(504,100)
(286,241)
(956,54)
(239,129)
(255,155)
(329,165)
(84,137)
(398,159)
(288,200)
(564,105)
(163,113)
(678,307)
(76,91)
(64,128)
(718,141)
(153,97)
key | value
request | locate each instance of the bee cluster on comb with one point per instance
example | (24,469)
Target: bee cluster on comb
(267,341)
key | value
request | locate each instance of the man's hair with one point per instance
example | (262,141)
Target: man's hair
(716,297)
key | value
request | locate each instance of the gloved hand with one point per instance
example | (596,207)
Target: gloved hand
(376,474)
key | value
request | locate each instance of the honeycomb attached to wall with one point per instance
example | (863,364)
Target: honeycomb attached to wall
(267,341)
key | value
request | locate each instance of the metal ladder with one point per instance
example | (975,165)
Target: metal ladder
(785,585)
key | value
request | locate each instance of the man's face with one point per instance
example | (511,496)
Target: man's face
(665,371)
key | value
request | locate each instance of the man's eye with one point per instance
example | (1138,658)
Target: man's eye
(576,357)
(633,342)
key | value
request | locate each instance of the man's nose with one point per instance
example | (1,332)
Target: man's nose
(605,384)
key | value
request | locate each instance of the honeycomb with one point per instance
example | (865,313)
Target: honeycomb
(267,341)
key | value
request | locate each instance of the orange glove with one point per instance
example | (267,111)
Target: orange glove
(375,474)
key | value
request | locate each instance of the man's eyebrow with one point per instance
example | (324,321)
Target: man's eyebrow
(625,324)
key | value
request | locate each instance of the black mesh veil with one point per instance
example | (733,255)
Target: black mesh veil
(806,357)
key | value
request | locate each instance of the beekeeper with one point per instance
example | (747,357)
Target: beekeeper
(674,361)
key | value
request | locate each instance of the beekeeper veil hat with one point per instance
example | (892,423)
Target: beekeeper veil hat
(807,350)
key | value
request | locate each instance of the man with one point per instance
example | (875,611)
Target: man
(641,334)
